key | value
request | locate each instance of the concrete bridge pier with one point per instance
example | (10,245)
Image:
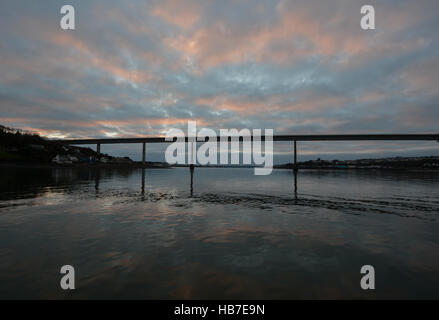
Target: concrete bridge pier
(143,153)
(295,184)
(143,182)
(191,168)
(98,148)
(295,157)
(97,179)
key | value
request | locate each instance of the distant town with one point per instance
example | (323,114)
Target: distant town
(382,163)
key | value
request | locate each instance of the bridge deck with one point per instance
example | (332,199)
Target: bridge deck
(326,137)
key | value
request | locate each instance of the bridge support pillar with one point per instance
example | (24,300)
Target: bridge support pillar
(143,153)
(191,168)
(98,148)
(295,156)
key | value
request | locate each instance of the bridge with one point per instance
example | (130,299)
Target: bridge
(292,138)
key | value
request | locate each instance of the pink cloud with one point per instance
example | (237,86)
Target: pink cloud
(90,56)
(295,35)
(183,14)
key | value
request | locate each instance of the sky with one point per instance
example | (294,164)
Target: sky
(138,68)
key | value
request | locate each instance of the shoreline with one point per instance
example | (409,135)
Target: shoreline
(80,165)
(149,166)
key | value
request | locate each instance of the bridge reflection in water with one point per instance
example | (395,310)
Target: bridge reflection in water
(97,178)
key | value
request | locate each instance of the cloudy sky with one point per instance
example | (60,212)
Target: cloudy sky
(137,68)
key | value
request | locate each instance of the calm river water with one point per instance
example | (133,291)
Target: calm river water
(147,234)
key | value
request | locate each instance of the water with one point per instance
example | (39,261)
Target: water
(234,235)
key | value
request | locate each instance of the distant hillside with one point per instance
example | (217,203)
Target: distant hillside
(20,146)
